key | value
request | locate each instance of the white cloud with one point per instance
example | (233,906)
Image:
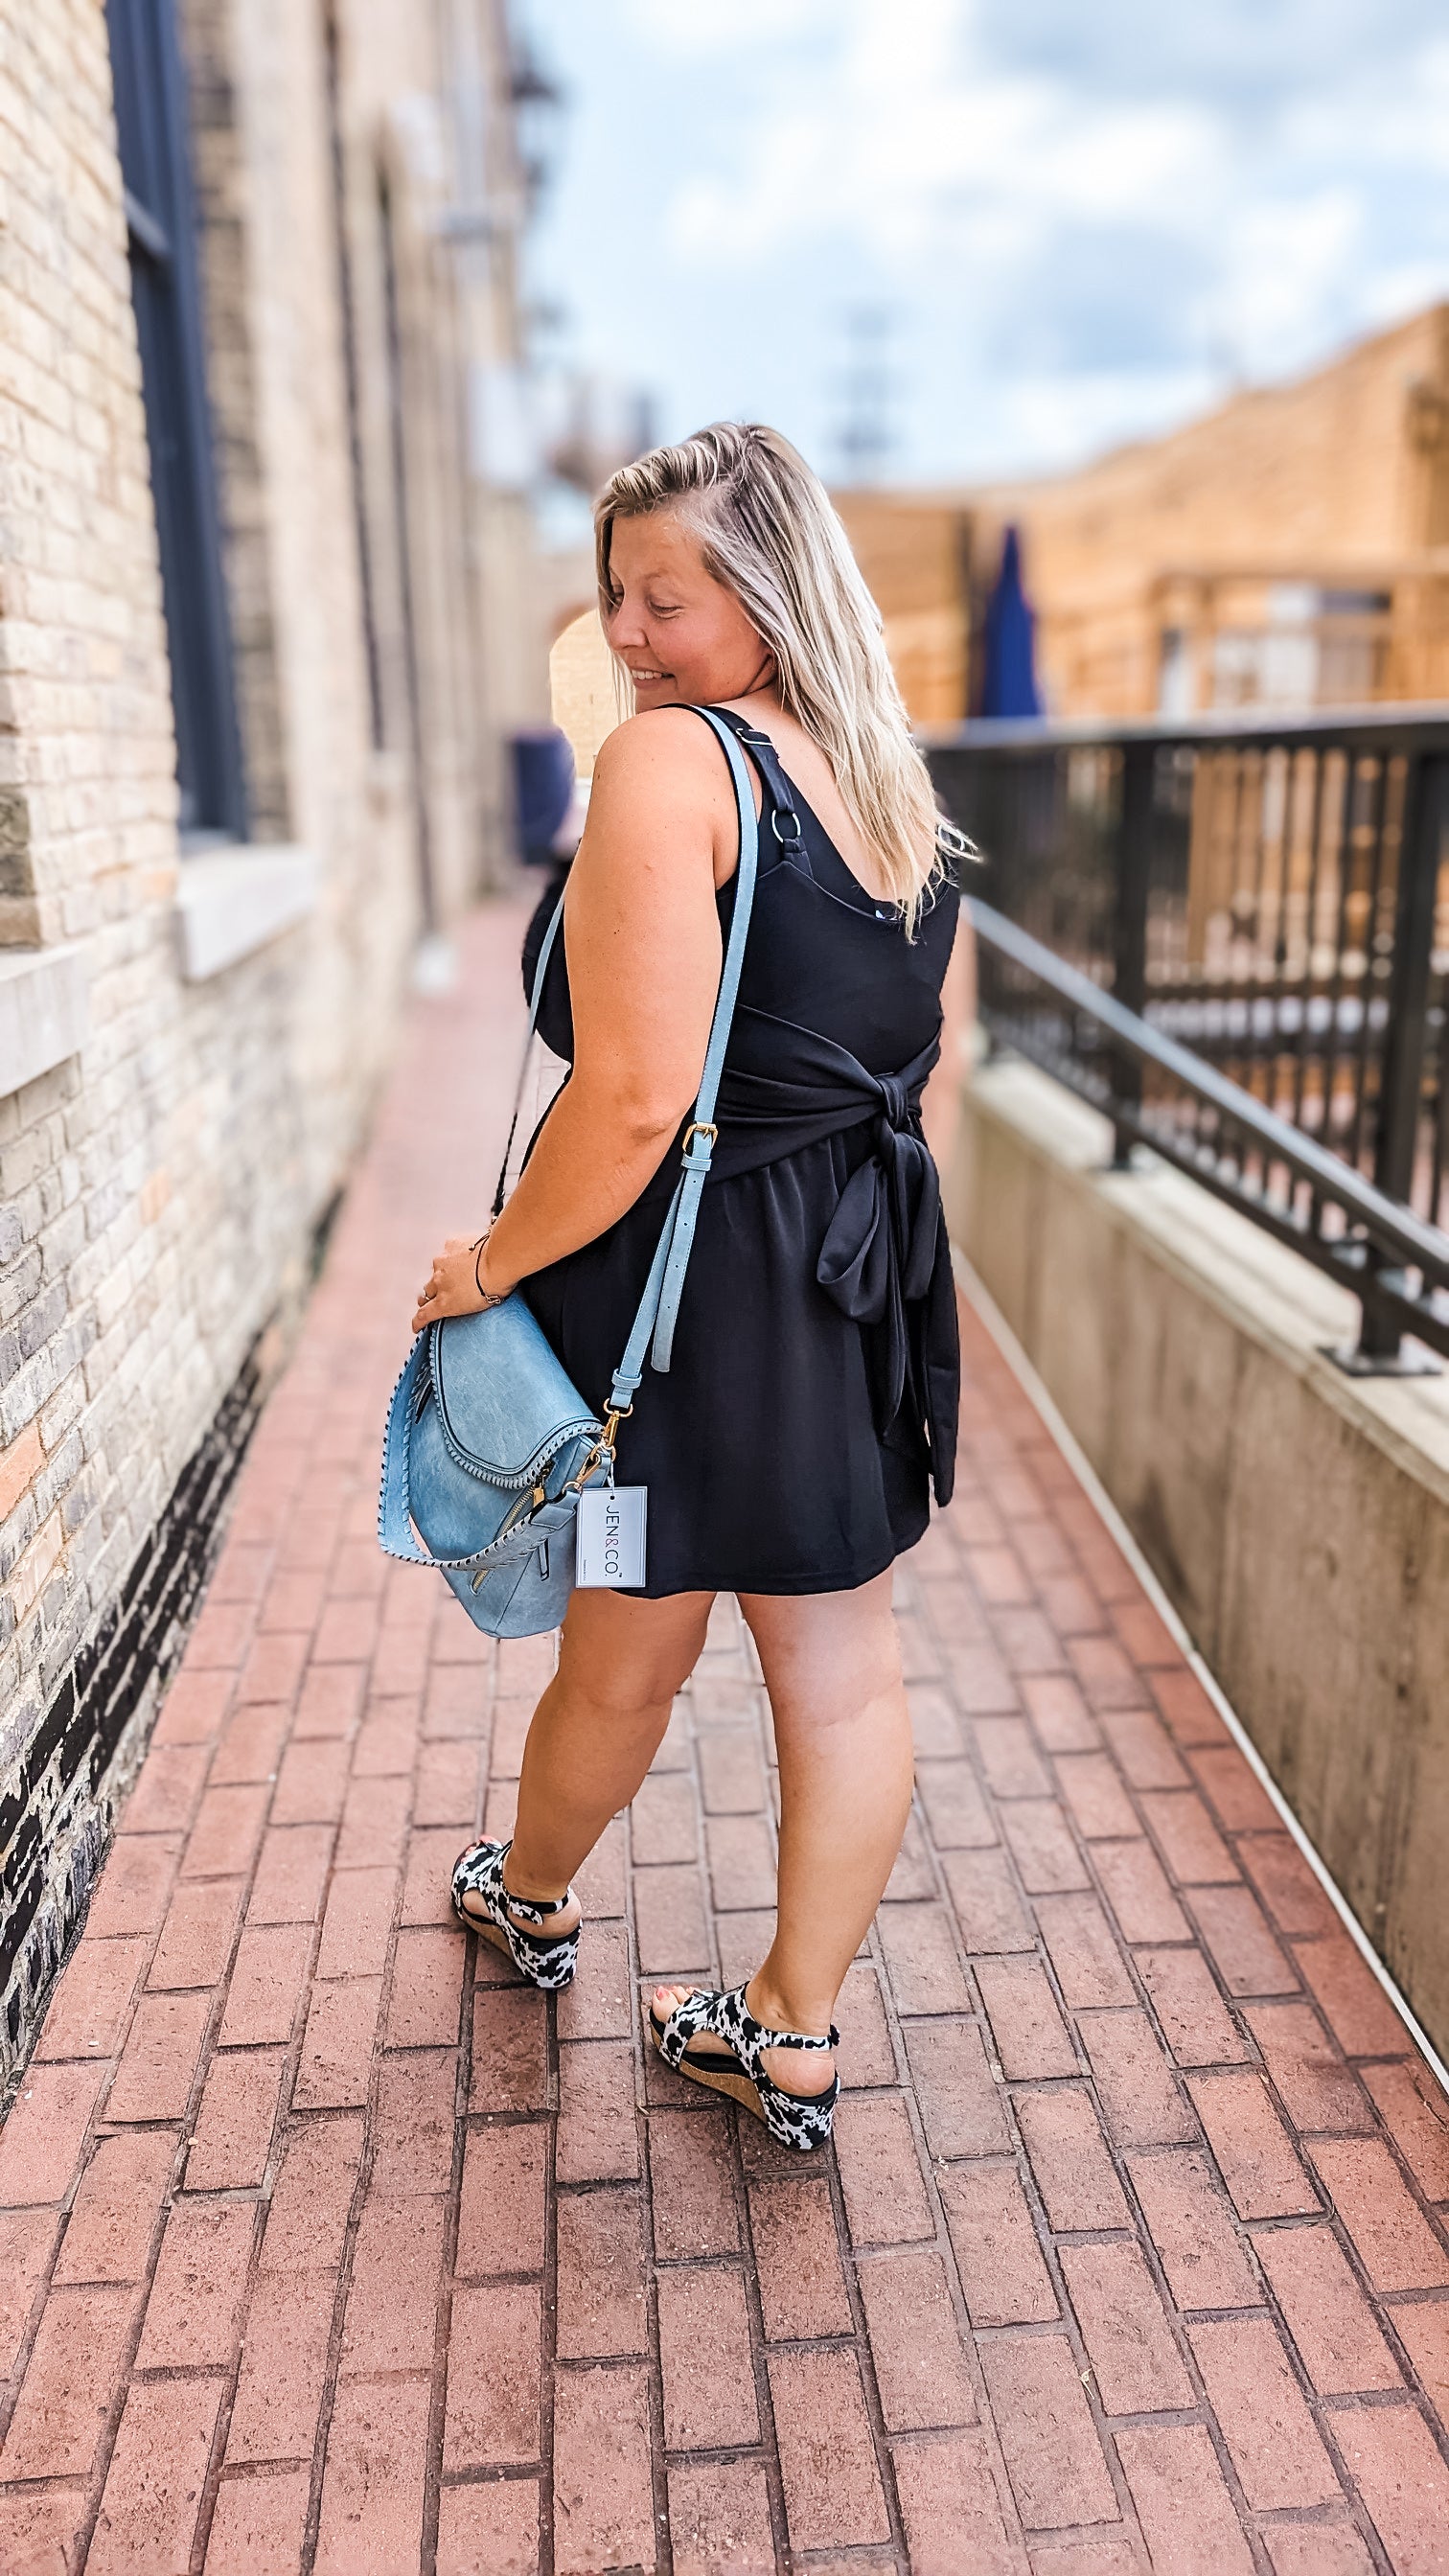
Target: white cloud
(1392,294)
(1082,218)
(1047,421)
(1282,275)
(689,29)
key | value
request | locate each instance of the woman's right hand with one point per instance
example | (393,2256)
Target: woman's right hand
(457,1283)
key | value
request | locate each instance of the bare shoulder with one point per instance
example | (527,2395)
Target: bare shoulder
(660,807)
(664,750)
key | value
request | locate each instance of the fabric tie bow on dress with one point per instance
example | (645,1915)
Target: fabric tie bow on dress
(885,1260)
(880,1248)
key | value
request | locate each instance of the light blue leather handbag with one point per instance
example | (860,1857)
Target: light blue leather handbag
(488,1444)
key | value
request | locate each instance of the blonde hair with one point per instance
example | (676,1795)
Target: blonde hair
(771,536)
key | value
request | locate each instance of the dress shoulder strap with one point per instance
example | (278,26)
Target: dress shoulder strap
(783,819)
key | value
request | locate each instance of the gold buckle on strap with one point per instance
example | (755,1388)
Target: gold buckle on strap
(698,1127)
(602,1452)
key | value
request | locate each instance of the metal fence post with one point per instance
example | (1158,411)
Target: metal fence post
(1129,935)
(1396,1137)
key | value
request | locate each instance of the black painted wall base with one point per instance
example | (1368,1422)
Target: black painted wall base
(55,1823)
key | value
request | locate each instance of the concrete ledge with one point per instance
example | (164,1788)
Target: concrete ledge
(1298,1519)
(44,1012)
(232,901)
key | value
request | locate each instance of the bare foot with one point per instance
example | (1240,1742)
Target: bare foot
(804,2072)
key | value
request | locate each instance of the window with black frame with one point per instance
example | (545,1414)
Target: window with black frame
(150,97)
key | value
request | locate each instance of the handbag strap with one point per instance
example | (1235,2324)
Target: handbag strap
(764,752)
(535,999)
(659,1305)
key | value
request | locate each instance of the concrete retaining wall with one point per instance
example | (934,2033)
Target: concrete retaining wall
(1298,1518)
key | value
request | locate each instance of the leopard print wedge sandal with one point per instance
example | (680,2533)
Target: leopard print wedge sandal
(546,1959)
(799,2120)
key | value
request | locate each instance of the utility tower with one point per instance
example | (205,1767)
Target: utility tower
(865,436)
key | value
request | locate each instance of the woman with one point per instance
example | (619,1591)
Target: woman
(788,1455)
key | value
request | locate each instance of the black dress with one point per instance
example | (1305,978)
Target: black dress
(812,1396)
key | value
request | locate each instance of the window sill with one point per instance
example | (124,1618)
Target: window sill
(44,1015)
(235,899)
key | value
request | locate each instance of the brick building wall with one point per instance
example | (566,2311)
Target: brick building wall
(1316,510)
(915,551)
(185,1092)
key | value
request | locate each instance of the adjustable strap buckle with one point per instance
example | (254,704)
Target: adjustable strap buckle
(699,1127)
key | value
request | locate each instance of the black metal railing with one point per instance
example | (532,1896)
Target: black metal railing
(1267,906)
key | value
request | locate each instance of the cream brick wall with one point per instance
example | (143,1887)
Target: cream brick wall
(159,1192)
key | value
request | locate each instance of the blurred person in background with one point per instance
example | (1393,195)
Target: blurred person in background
(549,805)
(790,1453)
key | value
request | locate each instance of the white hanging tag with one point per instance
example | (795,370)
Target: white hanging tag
(610,1536)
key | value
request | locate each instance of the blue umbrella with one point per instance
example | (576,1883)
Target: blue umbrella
(1008,675)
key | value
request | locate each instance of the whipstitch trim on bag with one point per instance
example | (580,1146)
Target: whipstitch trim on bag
(411,1553)
(508,1478)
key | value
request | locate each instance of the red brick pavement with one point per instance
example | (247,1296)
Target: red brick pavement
(324,2247)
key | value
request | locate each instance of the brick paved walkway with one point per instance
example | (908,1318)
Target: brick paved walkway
(327,2248)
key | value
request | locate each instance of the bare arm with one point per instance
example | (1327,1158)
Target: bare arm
(941,1101)
(644,965)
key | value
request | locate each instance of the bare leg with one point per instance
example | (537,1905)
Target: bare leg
(596,1730)
(842,1728)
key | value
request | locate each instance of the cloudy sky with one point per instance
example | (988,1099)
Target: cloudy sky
(1085,218)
